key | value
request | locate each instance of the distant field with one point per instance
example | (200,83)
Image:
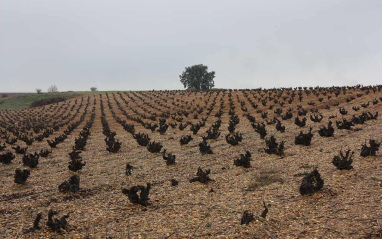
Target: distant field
(19,101)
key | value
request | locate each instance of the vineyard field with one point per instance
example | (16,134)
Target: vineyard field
(185,164)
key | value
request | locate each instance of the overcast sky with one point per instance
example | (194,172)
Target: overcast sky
(146,44)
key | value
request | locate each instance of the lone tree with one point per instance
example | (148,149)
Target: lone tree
(52,89)
(93,88)
(198,77)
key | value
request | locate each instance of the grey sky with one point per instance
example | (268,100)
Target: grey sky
(146,44)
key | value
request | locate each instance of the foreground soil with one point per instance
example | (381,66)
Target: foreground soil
(348,206)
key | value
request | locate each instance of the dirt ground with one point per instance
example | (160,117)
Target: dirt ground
(348,206)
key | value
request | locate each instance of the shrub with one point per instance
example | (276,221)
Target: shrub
(326,131)
(6,158)
(45,152)
(75,163)
(174,182)
(128,169)
(343,161)
(370,151)
(20,150)
(204,148)
(274,147)
(311,183)
(48,101)
(244,160)
(21,176)
(246,218)
(73,185)
(154,147)
(185,139)
(201,176)
(143,198)
(36,223)
(304,139)
(169,158)
(56,224)
(31,160)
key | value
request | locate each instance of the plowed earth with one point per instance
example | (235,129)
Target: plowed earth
(348,206)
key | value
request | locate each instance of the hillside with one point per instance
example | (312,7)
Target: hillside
(348,205)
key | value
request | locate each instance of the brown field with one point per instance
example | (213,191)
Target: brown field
(348,206)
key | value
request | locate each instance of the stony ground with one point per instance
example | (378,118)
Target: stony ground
(348,206)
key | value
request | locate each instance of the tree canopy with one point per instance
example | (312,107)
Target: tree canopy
(198,77)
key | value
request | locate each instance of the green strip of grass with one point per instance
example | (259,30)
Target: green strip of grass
(24,101)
